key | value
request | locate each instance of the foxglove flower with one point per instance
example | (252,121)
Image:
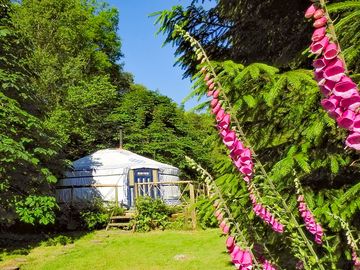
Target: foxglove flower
(310,223)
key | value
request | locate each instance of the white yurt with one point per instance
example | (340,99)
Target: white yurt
(118,175)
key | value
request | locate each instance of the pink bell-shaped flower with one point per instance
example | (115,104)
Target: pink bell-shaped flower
(237,149)
(319,77)
(327,87)
(214,102)
(220,115)
(310,11)
(216,109)
(351,103)
(217,213)
(220,216)
(222,224)
(226,229)
(209,82)
(230,243)
(356,126)
(207,77)
(225,122)
(216,93)
(235,251)
(334,71)
(319,13)
(353,140)
(268,266)
(318,46)
(337,113)
(320,63)
(246,170)
(210,93)
(320,22)
(345,88)
(330,104)
(230,138)
(331,51)
(212,86)
(318,34)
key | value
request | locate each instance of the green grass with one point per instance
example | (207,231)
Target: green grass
(119,250)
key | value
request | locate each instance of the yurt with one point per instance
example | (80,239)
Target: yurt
(118,175)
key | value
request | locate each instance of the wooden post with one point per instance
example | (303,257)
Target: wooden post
(135,192)
(192,205)
(116,196)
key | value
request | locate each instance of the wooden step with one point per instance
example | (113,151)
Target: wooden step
(121,217)
(118,224)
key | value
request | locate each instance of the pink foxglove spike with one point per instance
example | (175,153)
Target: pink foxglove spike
(209,82)
(207,77)
(217,213)
(320,45)
(310,11)
(351,103)
(318,34)
(353,140)
(318,14)
(220,217)
(320,22)
(331,51)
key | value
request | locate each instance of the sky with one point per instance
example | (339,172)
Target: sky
(144,57)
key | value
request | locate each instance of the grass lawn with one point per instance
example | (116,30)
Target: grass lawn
(119,250)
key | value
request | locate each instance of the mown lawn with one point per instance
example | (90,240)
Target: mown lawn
(119,250)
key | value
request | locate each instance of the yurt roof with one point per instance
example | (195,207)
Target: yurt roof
(118,158)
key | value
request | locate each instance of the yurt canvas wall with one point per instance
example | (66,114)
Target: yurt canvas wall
(110,175)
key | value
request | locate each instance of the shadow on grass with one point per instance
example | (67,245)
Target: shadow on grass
(12,243)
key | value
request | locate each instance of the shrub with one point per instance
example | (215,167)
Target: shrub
(151,214)
(58,240)
(94,220)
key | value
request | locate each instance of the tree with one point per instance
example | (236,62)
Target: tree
(155,127)
(76,53)
(27,149)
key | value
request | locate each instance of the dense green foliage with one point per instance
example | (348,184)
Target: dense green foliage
(292,135)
